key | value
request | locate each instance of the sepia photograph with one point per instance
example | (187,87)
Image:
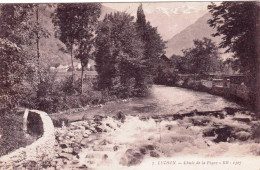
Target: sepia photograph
(130,85)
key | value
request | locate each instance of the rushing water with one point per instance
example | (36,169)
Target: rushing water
(115,144)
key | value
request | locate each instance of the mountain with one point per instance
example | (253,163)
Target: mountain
(170,22)
(185,38)
(50,48)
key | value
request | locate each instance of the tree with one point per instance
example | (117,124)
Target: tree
(238,24)
(20,24)
(88,14)
(38,29)
(77,24)
(153,44)
(203,57)
(15,37)
(12,66)
(118,55)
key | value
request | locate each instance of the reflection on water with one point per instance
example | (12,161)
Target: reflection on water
(175,99)
(168,100)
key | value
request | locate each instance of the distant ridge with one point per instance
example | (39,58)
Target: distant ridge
(185,38)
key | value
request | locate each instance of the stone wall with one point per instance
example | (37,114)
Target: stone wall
(41,149)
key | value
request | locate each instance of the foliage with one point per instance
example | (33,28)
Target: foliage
(45,94)
(119,55)
(77,23)
(236,22)
(15,23)
(67,86)
(166,75)
(12,64)
(18,30)
(153,44)
(180,63)
(203,57)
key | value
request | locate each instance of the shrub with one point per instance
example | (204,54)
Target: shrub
(67,86)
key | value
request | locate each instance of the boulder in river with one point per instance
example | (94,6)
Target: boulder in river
(149,147)
(97,118)
(120,116)
(154,154)
(131,157)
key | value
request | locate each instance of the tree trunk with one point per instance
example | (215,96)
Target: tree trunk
(72,66)
(37,41)
(82,71)
(257,101)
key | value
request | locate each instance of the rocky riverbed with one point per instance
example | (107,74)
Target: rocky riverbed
(125,142)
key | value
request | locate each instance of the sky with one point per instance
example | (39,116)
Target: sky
(169,17)
(177,7)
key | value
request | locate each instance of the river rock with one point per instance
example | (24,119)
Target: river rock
(105,156)
(131,157)
(230,110)
(67,150)
(97,118)
(64,145)
(154,154)
(143,150)
(242,135)
(76,150)
(242,119)
(149,147)
(104,142)
(120,116)
(115,148)
(84,142)
(83,167)
(98,129)
(65,156)
(75,161)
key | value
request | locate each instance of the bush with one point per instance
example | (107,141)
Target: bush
(67,86)
(52,96)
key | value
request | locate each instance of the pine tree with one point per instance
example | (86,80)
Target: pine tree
(153,47)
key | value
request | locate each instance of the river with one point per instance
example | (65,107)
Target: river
(175,99)
(167,100)
(136,141)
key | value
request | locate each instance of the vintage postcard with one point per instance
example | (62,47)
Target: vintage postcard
(130,85)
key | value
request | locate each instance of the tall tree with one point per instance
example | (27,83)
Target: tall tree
(153,44)
(88,15)
(238,24)
(38,29)
(119,54)
(20,23)
(75,23)
(14,35)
